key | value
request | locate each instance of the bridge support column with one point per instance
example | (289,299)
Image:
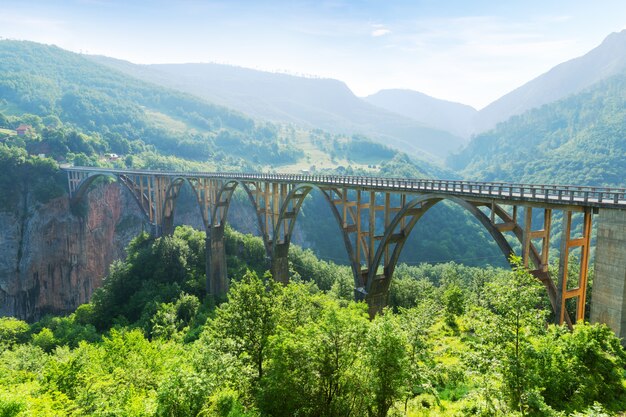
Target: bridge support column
(216,272)
(378,296)
(608,303)
(280,263)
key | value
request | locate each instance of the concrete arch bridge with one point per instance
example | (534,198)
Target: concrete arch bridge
(376,215)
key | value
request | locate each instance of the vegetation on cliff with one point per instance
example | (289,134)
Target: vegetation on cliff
(456,341)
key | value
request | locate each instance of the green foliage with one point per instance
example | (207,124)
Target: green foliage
(248,319)
(507,325)
(388,360)
(156,271)
(285,350)
(21,173)
(577,140)
(12,331)
(453,303)
(10,407)
(315,370)
(172,318)
(226,403)
(581,367)
(185,394)
(45,340)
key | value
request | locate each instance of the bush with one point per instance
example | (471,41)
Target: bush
(13,331)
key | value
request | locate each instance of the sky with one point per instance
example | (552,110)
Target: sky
(468,51)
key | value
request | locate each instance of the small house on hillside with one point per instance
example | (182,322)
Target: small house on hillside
(22,129)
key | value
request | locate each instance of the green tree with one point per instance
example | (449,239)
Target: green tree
(416,322)
(45,339)
(12,331)
(453,302)
(248,319)
(581,367)
(507,327)
(387,360)
(316,369)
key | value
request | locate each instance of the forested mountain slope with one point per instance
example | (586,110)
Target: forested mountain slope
(310,102)
(49,82)
(570,77)
(446,115)
(579,140)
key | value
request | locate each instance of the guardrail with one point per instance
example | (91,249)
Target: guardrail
(557,194)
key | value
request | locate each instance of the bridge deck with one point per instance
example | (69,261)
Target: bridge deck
(538,194)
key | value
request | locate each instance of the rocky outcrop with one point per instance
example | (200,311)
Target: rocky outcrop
(52,259)
(52,256)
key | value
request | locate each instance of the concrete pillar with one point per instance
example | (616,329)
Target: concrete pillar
(280,263)
(216,271)
(378,296)
(167,228)
(608,300)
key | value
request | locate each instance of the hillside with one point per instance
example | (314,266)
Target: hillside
(123,112)
(579,140)
(308,102)
(568,78)
(124,115)
(445,115)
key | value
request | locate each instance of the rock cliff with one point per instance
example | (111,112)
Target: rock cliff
(52,260)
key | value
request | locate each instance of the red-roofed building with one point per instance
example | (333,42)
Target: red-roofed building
(22,129)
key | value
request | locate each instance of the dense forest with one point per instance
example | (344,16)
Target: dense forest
(54,84)
(578,140)
(455,341)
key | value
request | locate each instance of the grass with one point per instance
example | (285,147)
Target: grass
(166,122)
(313,156)
(10,109)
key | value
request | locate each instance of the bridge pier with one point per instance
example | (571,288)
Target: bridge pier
(216,271)
(280,263)
(608,301)
(378,296)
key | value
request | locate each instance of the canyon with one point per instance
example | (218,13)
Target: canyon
(53,258)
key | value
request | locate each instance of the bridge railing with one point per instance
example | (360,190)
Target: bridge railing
(517,191)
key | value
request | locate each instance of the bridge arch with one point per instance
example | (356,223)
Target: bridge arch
(170,200)
(277,200)
(423,204)
(223,200)
(142,201)
(289,211)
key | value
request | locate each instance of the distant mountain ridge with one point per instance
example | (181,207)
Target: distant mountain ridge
(577,140)
(446,115)
(565,79)
(311,102)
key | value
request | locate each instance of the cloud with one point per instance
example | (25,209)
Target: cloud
(380,32)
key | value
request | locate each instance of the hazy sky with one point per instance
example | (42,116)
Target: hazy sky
(471,51)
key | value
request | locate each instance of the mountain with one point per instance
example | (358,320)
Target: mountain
(577,140)
(49,82)
(445,115)
(43,85)
(570,77)
(309,102)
